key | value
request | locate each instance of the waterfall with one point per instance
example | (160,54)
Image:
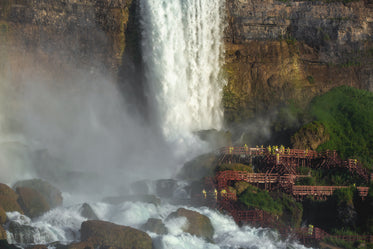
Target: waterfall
(182,42)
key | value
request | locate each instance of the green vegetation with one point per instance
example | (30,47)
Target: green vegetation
(292,211)
(310,79)
(341,243)
(253,197)
(330,177)
(347,114)
(234,166)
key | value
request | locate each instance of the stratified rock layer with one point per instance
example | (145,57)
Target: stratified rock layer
(281,52)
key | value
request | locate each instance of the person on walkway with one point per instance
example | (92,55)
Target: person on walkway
(204,193)
(310,229)
(223,193)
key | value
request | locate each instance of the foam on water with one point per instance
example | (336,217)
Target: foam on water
(63,224)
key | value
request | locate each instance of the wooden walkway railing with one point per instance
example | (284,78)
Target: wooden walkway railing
(302,190)
(289,159)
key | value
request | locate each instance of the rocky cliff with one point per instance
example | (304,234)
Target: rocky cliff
(277,52)
(281,52)
(90,33)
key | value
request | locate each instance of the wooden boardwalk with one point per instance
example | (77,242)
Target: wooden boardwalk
(286,161)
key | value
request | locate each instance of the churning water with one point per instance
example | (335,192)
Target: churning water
(183,51)
(63,224)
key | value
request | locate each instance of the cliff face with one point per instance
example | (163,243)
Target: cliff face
(277,52)
(86,31)
(281,52)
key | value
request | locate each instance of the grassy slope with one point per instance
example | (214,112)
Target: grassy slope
(347,114)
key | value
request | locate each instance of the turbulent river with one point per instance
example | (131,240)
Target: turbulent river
(63,224)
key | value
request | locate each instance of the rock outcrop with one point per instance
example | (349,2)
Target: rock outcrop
(281,52)
(37,247)
(32,202)
(4,245)
(2,233)
(155,226)
(87,212)
(8,199)
(88,30)
(198,224)
(102,234)
(22,234)
(51,194)
(199,167)
(2,216)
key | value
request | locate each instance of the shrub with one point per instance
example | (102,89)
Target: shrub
(253,197)
(235,167)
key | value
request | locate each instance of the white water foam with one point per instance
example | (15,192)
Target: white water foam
(182,51)
(63,224)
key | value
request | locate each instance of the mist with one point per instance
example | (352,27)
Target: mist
(69,124)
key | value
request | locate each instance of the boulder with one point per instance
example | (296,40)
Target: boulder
(51,194)
(8,199)
(2,233)
(155,226)
(199,225)
(37,247)
(84,245)
(32,202)
(4,245)
(140,198)
(166,187)
(2,216)
(199,167)
(109,235)
(87,212)
(22,234)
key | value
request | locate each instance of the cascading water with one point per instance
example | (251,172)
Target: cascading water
(182,51)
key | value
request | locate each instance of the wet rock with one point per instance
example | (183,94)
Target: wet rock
(4,245)
(37,247)
(2,233)
(216,139)
(155,226)
(140,198)
(199,167)
(199,225)
(22,234)
(32,202)
(82,245)
(51,194)
(166,187)
(87,212)
(8,199)
(104,234)
(2,216)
